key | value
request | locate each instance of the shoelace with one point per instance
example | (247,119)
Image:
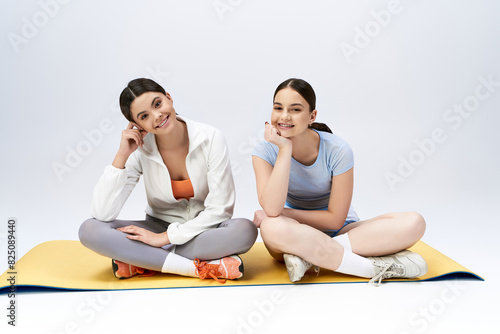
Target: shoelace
(316,270)
(384,268)
(204,270)
(145,272)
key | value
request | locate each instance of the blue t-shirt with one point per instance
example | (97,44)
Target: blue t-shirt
(309,186)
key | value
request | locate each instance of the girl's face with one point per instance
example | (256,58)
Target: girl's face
(291,113)
(153,111)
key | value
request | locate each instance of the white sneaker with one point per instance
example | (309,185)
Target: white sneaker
(404,264)
(297,267)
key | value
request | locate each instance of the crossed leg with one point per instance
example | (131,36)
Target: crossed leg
(382,235)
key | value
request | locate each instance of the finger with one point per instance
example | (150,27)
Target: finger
(129,229)
(123,229)
(267,132)
(140,137)
(136,137)
(140,134)
(274,132)
(137,126)
(143,134)
(130,125)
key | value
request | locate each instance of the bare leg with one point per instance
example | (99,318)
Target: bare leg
(382,235)
(385,234)
(285,235)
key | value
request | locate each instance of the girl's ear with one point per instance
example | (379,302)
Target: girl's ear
(312,116)
(169,97)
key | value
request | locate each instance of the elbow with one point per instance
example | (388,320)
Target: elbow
(273,212)
(100,215)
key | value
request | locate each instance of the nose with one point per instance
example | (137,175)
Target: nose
(157,114)
(285,115)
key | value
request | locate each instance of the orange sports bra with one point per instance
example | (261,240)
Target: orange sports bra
(182,189)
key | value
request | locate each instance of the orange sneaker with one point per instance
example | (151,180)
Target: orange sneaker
(230,267)
(125,270)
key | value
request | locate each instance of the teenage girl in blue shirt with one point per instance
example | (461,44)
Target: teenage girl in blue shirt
(304,177)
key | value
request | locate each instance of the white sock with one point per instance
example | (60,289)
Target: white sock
(176,264)
(343,239)
(353,264)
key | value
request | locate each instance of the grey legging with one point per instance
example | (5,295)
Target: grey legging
(233,236)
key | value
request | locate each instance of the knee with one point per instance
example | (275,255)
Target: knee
(273,229)
(243,233)
(87,232)
(415,224)
(247,229)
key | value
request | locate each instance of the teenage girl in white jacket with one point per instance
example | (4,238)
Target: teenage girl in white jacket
(188,228)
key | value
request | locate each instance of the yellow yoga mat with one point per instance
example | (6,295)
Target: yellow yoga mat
(67,264)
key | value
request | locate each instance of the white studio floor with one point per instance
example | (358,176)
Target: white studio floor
(459,306)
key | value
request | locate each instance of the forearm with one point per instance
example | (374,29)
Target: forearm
(273,197)
(120,160)
(320,219)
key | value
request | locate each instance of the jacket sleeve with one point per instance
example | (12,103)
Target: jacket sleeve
(219,203)
(113,189)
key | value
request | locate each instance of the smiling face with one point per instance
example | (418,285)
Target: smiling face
(291,113)
(153,111)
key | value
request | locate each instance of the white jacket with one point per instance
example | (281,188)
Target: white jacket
(208,166)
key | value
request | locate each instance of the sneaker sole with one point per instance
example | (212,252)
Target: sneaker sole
(115,270)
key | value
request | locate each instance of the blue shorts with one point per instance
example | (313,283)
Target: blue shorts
(333,233)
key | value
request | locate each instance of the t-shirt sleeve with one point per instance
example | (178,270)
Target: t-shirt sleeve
(266,151)
(341,160)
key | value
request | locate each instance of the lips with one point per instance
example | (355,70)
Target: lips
(285,126)
(162,124)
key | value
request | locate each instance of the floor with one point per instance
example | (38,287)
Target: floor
(459,306)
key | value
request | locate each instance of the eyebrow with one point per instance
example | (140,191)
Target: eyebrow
(152,104)
(293,104)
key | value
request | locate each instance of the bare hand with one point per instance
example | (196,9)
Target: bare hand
(143,235)
(132,138)
(258,217)
(273,135)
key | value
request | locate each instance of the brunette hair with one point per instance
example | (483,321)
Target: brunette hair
(134,89)
(307,92)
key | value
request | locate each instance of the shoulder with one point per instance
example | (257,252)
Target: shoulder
(332,140)
(263,148)
(337,153)
(334,145)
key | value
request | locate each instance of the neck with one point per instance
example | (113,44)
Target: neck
(176,138)
(305,145)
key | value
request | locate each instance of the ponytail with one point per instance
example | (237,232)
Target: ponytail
(320,127)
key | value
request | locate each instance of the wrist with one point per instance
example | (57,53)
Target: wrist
(166,240)
(286,148)
(120,160)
